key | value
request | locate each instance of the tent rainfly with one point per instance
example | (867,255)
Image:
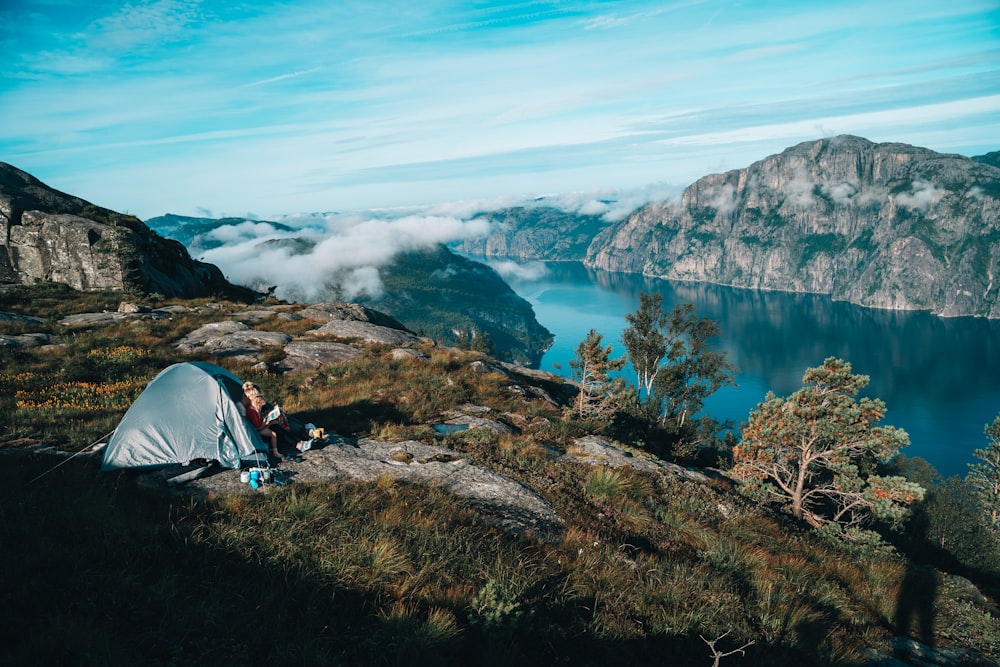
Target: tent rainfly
(189,411)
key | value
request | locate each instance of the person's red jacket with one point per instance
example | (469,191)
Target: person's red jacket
(254,418)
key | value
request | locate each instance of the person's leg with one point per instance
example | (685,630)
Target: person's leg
(273,439)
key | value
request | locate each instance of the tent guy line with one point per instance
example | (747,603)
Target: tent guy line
(74,455)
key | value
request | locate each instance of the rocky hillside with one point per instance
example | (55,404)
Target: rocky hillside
(880,225)
(452,299)
(455,514)
(49,236)
(434,291)
(537,232)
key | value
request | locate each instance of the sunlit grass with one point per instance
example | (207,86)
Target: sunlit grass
(68,398)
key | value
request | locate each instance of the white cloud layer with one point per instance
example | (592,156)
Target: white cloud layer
(344,256)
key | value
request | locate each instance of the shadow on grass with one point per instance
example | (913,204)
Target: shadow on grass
(96,572)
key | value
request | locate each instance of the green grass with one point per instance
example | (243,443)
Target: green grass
(98,571)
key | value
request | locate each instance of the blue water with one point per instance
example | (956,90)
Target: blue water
(939,378)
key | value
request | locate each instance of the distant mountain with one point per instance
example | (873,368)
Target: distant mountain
(188,230)
(450,298)
(542,232)
(882,225)
(992,159)
(50,236)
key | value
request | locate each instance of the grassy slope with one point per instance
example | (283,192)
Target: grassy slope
(96,571)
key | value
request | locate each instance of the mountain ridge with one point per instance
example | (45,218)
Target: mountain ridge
(880,225)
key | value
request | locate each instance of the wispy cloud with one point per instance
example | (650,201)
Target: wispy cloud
(172,105)
(137,24)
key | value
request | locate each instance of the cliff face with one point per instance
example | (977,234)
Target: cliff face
(540,232)
(880,225)
(49,236)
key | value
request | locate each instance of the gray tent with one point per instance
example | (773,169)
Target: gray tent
(189,411)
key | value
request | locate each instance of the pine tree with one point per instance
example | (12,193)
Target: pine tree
(483,342)
(985,476)
(592,367)
(817,451)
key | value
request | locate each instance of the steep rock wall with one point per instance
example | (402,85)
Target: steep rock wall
(49,236)
(879,225)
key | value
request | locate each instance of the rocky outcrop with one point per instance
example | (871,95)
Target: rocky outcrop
(349,312)
(25,340)
(231,339)
(303,355)
(516,507)
(49,236)
(510,504)
(596,450)
(880,225)
(235,339)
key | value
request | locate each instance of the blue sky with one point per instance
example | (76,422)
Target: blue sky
(260,109)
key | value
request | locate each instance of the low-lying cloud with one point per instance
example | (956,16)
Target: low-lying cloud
(921,196)
(317,256)
(512,271)
(328,256)
(612,205)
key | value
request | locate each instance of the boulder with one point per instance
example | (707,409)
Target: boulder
(368,332)
(304,355)
(514,506)
(471,422)
(596,450)
(231,339)
(130,307)
(408,353)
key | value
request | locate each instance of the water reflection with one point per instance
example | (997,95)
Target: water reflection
(940,378)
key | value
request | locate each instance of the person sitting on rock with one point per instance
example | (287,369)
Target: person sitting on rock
(291,433)
(253,407)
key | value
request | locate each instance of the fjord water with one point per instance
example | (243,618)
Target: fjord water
(939,377)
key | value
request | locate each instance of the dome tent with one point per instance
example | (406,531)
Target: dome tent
(188,411)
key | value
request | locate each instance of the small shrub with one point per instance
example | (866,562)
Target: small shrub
(497,606)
